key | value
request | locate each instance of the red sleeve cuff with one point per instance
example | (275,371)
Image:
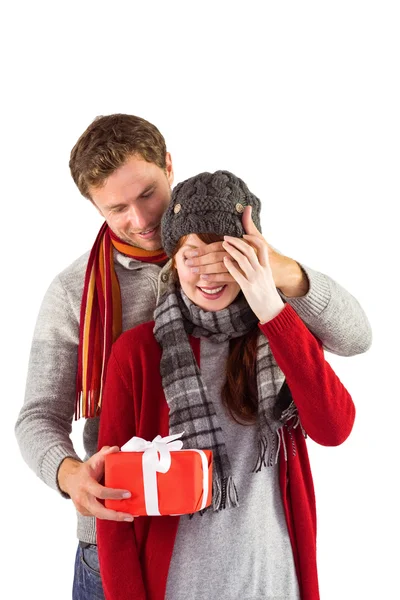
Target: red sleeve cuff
(286,319)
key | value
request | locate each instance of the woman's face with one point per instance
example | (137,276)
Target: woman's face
(208,296)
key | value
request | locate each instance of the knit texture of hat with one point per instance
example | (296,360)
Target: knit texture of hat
(208,203)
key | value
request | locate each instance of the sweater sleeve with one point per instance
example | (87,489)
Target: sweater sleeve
(325,407)
(333,315)
(118,554)
(44,424)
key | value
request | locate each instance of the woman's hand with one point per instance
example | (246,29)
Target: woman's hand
(254,274)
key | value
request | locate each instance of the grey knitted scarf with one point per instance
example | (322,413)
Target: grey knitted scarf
(189,408)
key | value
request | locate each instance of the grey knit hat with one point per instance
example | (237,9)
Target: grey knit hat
(208,203)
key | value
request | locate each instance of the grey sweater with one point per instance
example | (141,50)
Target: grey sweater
(242,552)
(44,424)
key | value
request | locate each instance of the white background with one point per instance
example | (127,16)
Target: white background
(301,100)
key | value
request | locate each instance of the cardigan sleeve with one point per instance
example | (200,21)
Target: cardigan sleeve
(325,407)
(120,567)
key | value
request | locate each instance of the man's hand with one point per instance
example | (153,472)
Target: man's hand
(80,480)
(286,272)
(209,263)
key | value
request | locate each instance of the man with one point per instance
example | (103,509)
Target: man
(122,166)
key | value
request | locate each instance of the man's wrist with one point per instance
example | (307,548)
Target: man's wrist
(68,467)
(296,281)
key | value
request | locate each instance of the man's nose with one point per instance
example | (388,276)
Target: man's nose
(137,220)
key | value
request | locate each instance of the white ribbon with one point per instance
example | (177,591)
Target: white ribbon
(204,463)
(157,459)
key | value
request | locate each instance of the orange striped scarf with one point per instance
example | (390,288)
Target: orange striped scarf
(101,317)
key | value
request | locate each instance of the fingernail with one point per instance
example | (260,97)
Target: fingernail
(126,495)
(189,262)
(128,519)
(205,276)
(195,270)
(192,253)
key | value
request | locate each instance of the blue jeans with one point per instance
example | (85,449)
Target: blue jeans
(87,582)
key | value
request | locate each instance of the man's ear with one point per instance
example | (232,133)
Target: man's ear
(169,168)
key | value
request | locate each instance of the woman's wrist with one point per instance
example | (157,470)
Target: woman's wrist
(272,310)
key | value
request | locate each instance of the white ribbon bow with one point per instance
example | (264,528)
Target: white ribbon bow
(157,459)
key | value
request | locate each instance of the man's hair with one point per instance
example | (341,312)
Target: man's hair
(107,144)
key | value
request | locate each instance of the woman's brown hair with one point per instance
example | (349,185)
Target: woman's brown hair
(239,393)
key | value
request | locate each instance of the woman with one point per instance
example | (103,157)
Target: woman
(243,377)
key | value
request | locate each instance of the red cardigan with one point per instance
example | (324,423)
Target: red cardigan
(135,557)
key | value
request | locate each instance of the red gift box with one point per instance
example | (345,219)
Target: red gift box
(162,480)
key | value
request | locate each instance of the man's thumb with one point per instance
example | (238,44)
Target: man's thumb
(247,222)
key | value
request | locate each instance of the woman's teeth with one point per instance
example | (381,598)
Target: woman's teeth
(212,291)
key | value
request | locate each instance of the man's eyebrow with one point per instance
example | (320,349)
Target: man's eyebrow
(112,206)
(147,188)
(123,204)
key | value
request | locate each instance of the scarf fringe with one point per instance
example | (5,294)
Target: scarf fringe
(269,447)
(224,493)
(266,451)
(291,413)
(87,405)
(291,419)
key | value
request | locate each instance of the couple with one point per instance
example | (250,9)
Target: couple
(121,164)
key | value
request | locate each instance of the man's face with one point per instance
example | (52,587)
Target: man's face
(133,200)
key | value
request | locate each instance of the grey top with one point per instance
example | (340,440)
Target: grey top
(242,552)
(44,424)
